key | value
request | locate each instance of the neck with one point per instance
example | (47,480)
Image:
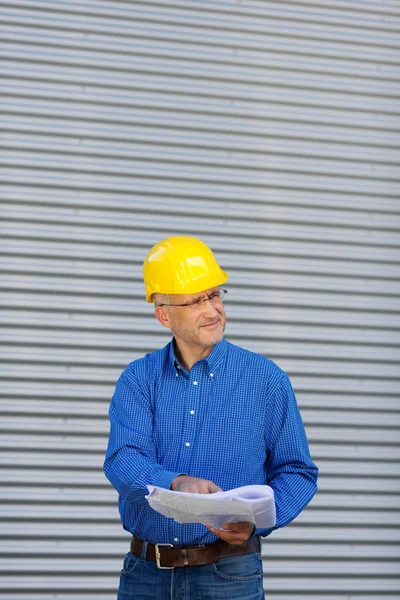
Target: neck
(189,354)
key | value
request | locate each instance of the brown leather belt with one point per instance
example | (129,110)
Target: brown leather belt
(168,556)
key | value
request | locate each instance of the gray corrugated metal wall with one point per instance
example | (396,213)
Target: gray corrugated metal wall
(271,131)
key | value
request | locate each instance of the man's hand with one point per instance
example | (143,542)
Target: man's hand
(238,532)
(233,533)
(195,485)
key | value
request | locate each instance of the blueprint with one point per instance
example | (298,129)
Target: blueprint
(253,503)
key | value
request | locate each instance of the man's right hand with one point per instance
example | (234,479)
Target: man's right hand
(195,485)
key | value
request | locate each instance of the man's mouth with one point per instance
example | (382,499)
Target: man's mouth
(210,325)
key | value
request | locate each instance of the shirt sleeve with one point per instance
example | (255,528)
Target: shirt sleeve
(131,459)
(290,471)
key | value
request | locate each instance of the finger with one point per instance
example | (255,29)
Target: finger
(219,532)
(235,527)
(241,526)
(224,534)
(203,487)
(214,488)
(229,537)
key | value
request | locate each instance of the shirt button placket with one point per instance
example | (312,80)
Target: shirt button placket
(192,424)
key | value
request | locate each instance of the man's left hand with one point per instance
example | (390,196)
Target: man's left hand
(234,533)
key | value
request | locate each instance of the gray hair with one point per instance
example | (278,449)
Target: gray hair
(160,299)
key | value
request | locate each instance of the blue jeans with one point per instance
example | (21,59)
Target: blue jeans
(233,578)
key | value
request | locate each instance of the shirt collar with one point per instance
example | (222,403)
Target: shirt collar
(214,359)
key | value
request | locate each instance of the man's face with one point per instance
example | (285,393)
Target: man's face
(202,325)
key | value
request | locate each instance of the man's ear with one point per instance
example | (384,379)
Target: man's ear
(162,316)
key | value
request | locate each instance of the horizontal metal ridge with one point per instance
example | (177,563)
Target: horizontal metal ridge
(275,20)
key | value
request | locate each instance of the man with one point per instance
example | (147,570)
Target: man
(200,415)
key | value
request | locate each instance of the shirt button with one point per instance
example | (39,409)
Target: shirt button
(176,539)
(211,374)
(192,412)
(176,374)
(195,382)
(187,444)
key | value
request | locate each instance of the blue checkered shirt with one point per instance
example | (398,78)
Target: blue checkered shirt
(233,419)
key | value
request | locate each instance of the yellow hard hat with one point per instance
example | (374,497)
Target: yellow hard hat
(181,265)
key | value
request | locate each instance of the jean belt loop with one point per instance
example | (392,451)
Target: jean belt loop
(144,551)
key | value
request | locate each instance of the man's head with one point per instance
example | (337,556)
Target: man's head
(183,279)
(194,319)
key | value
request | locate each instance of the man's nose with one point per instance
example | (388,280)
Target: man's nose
(209,308)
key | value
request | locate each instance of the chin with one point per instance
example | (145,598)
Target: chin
(214,338)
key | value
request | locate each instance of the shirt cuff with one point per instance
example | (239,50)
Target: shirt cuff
(164,479)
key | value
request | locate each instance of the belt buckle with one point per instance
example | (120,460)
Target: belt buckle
(157,546)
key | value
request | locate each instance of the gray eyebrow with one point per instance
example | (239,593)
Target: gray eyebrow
(195,299)
(200,297)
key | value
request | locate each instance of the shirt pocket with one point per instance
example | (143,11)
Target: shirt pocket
(237,446)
